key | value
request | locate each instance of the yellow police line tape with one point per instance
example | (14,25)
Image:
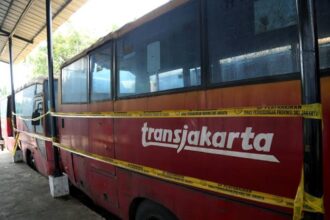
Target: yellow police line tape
(311,204)
(304,199)
(16,145)
(37,136)
(31,119)
(312,111)
(34,135)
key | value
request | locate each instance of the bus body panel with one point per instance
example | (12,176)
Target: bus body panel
(101,142)
(6,123)
(257,175)
(75,133)
(9,143)
(186,203)
(325,100)
(264,176)
(30,144)
(26,99)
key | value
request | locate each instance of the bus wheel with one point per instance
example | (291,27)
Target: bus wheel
(148,210)
(30,160)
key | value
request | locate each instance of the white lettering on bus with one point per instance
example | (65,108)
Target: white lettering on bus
(220,143)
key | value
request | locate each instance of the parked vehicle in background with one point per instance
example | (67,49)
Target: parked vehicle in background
(2,143)
(30,100)
(6,123)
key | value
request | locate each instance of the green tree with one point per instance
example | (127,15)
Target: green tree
(3,91)
(65,46)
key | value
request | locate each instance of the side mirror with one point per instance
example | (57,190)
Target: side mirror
(35,114)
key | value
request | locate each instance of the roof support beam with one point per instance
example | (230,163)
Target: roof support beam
(6,33)
(310,88)
(45,26)
(13,107)
(54,16)
(51,90)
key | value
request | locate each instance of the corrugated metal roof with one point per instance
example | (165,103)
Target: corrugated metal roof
(25,20)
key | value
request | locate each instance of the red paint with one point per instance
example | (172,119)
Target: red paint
(44,159)
(121,139)
(115,189)
(325,99)
(6,124)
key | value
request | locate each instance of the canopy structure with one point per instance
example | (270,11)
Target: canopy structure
(25,22)
(23,25)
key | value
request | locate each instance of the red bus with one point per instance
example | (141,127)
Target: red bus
(192,55)
(31,98)
(2,144)
(123,144)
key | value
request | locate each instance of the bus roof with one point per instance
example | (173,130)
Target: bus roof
(38,80)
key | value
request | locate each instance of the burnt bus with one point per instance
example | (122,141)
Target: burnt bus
(122,144)
(31,100)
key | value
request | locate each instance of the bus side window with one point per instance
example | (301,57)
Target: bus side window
(323,25)
(100,73)
(38,110)
(255,39)
(167,58)
(74,82)
(24,105)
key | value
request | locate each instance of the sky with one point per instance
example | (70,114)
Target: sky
(96,18)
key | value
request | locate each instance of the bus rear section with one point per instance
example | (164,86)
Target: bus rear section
(127,142)
(31,102)
(2,143)
(6,124)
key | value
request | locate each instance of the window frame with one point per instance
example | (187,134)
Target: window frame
(169,91)
(87,81)
(22,91)
(112,83)
(205,68)
(247,81)
(204,65)
(39,98)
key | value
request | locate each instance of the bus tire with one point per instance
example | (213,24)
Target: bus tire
(30,160)
(149,210)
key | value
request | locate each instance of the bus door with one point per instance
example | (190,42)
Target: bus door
(38,128)
(102,176)
(79,131)
(74,132)
(39,153)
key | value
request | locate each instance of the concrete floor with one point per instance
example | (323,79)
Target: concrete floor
(24,194)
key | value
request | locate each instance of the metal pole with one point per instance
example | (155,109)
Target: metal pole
(310,81)
(13,106)
(51,92)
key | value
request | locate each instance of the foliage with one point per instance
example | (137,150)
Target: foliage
(65,46)
(3,91)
